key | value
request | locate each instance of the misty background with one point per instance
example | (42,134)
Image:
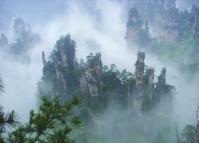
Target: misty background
(96,26)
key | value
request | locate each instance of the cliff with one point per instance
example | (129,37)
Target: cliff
(195,20)
(162,16)
(99,85)
(24,40)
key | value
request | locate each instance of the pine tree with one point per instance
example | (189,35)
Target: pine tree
(6,119)
(52,123)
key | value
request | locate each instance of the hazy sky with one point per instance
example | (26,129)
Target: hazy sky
(37,11)
(34,11)
(183,4)
(105,34)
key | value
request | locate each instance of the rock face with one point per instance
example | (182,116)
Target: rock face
(163,17)
(139,77)
(100,85)
(25,40)
(195,20)
(133,25)
(169,4)
(94,73)
(149,8)
(3,41)
(139,71)
(161,81)
(137,31)
(61,70)
(146,89)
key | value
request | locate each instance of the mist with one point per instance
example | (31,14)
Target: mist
(96,26)
(186,4)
